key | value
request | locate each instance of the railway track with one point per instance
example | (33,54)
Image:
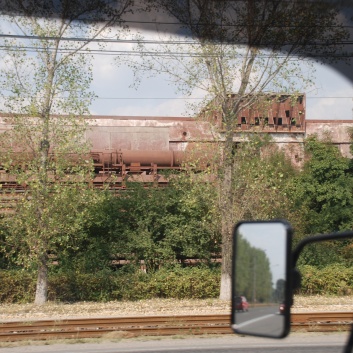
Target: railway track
(322,322)
(156,326)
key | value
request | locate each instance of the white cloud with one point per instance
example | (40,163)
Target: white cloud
(333,97)
(111,81)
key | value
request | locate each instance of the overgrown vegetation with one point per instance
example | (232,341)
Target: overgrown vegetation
(178,282)
(46,94)
(72,238)
(233,77)
(139,244)
(322,195)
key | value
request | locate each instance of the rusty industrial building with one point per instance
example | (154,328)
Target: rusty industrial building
(137,149)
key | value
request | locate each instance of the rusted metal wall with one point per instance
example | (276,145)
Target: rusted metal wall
(137,148)
(148,133)
(138,138)
(267,112)
(277,113)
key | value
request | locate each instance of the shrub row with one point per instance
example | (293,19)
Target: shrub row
(334,279)
(180,283)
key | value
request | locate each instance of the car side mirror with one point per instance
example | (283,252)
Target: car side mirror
(262,276)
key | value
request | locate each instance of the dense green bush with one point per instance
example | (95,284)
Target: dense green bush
(17,286)
(180,283)
(334,279)
(73,287)
(132,284)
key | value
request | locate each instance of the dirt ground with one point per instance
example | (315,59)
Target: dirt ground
(153,307)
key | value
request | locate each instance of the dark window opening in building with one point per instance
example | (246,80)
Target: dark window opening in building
(279,121)
(235,147)
(266,121)
(257,121)
(275,120)
(287,113)
(243,120)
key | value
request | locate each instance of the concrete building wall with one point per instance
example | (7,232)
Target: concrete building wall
(337,130)
(183,134)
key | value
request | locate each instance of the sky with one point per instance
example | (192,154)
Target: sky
(338,104)
(331,98)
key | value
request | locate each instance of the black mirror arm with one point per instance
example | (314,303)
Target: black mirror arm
(349,344)
(322,237)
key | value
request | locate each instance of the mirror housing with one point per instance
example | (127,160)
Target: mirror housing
(262,278)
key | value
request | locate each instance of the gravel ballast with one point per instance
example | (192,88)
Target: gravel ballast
(153,307)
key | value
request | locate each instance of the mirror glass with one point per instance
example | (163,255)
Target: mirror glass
(259,279)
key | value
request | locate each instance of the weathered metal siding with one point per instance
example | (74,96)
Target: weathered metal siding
(138,148)
(129,138)
(268,113)
(113,137)
(149,134)
(272,111)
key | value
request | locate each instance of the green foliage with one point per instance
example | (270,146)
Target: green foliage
(59,228)
(46,92)
(179,283)
(95,241)
(44,152)
(323,196)
(350,133)
(261,175)
(158,226)
(133,284)
(324,189)
(335,279)
(233,76)
(16,286)
(75,286)
(197,228)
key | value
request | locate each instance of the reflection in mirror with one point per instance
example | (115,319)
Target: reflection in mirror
(260,277)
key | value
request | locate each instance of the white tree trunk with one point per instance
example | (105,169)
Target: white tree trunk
(226,211)
(226,287)
(42,285)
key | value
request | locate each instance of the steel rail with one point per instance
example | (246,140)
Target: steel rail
(322,322)
(157,326)
(98,327)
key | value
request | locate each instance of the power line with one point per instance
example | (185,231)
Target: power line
(188,98)
(218,25)
(239,25)
(102,40)
(141,41)
(169,54)
(195,98)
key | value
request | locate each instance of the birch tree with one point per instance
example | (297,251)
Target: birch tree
(45,85)
(234,52)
